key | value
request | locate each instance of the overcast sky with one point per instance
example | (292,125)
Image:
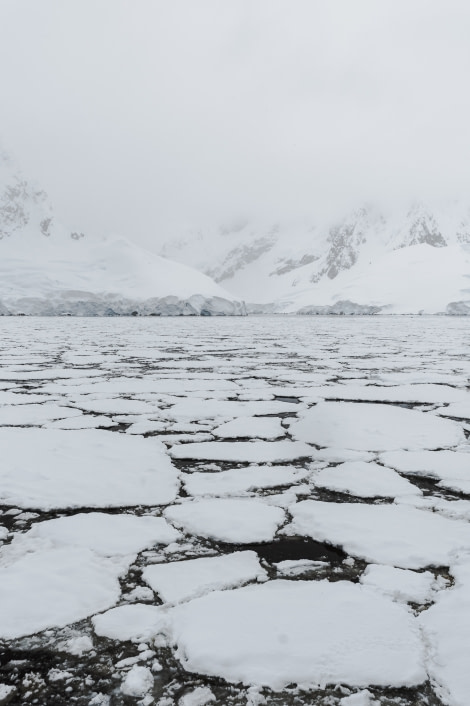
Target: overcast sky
(143,116)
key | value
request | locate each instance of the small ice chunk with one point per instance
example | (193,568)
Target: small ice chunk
(294,567)
(137,682)
(201,696)
(361,698)
(78,645)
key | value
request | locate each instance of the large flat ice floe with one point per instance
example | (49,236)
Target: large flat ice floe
(446,627)
(450,468)
(374,427)
(366,480)
(243,451)
(181,580)
(66,569)
(241,480)
(48,469)
(310,633)
(227,519)
(398,535)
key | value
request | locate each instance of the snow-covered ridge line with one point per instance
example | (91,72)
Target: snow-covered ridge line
(49,270)
(414,260)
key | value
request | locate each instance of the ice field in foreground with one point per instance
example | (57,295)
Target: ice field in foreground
(242,511)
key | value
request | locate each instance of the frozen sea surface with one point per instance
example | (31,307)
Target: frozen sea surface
(253,511)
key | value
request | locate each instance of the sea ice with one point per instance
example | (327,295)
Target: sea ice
(48,469)
(374,427)
(312,633)
(446,627)
(385,534)
(243,451)
(401,584)
(241,480)
(180,580)
(65,569)
(365,480)
(251,427)
(130,622)
(228,519)
(451,468)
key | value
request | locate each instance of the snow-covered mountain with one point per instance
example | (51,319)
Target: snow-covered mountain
(411,260)
(47,269)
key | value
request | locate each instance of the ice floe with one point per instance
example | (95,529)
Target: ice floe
(241,480)
(365,480)
(398,535)
(243,451)
(180,580)
(66,569)
(233,520)
(374,427)
(49,469)
(311,633)
(401,584)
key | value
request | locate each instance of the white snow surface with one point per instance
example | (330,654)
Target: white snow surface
(66,569)
(365,480)
(401,584)
(375,427)
(241,480)
(397,535)
(227,519)
(411,260)
(312,633)
(49,469)
(243,451)
(46,269)
(180,580)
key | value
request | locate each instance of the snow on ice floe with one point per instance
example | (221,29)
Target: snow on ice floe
(241,480)
(66,569)
(236,520)
(55,587)
(400,584)
(365,480)
(180,580)
(310,633)
(48,469)
(450,468)
(130,622)
(418,393)
(398,535)
(194,409)
(374,427)
(458,410)
(109,535)
(254,427)
(34,414)
(243,451)
(446,627)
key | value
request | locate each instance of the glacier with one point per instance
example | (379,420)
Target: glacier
(48,270)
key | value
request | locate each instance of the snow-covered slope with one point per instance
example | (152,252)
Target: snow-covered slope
(369,262)
(46,269)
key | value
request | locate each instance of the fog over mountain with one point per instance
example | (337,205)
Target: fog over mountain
(148,119)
